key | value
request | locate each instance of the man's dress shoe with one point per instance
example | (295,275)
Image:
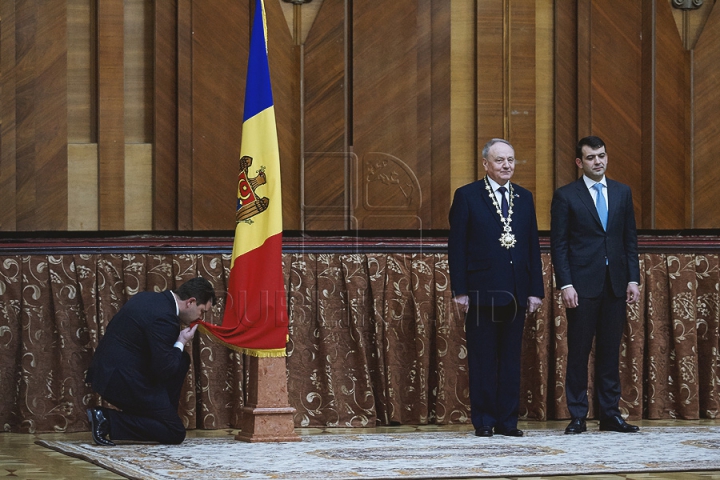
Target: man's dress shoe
(484,432)
(577,425)
(617,424)
(511,432)
(99,427)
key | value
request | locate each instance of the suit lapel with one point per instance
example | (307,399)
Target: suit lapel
(587,199)
(613,200)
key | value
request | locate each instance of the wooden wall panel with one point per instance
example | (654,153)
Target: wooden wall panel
(492,76)
(83,187)
(440,112)
(706,101)
(566,91)
(392,152)
(82,71)
(326,160)
(111,119)
(610,63)
(544,110)
(138,70)
(26,107)
(665,145)
(520,109)
(184,195)
(165,112)
(284,58)
(220,40)
(8,128)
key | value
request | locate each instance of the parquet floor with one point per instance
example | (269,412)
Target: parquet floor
(20,458)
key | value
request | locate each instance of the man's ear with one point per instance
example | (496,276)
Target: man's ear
(190,301)
(578,162)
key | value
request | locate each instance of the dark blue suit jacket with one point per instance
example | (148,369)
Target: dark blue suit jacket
(137,349)
(580,246)
(480,267)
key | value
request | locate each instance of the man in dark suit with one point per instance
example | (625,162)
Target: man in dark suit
(496,274)
(140,365)
(595,259)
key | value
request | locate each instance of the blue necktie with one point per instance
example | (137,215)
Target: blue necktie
(504,203)
(601,205)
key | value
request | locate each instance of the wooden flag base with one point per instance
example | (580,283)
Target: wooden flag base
(267,417)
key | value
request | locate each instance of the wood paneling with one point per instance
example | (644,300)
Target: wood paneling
(610,61)
(566,91)
(83,186)
(184,193)
(393,154)
(544,93)
(284,58)
(138,70)
(8,99)
(665,94)
(325,161)
(138,186)
(492,77)
(439,132)
(220,40)
(111,131)
(463,104)
(82,71)
(706,173)
(165,111)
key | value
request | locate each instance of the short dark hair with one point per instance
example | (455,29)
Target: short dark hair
(199,289)
(591,141)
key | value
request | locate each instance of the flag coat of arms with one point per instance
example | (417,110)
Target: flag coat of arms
(255,320)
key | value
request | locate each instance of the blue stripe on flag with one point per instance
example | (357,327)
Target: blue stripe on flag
(258,92)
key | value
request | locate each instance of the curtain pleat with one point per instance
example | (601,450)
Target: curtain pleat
(374,340)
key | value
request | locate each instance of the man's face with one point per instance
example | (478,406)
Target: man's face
(593,162)
(190,310)
(500,163)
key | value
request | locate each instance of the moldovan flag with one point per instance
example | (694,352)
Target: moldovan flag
(255,321)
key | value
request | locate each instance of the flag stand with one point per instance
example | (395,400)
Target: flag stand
(267,417)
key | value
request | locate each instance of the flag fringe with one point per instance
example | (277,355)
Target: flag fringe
(253,352)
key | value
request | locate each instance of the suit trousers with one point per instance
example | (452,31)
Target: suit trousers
(602,318)
(149,415)
(494,344)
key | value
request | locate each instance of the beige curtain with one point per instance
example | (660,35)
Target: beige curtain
(373,340)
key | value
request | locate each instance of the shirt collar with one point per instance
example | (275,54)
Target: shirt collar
(589,182)
(177,305)
(494,185)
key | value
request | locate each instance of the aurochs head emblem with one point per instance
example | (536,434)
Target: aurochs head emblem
(249,204)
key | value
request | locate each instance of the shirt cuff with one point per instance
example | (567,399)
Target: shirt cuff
(179,345)
(634,283)
(566,286)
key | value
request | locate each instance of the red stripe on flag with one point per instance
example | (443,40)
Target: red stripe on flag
(256,307)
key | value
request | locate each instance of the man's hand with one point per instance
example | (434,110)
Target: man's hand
(570,297)
(187,334)
(533,304)
(462,303)
(633,293)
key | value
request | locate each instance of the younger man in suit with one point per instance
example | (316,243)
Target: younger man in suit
(595,259)
(496,274)
(140,365)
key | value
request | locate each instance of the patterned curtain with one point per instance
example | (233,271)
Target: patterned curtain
(373,340)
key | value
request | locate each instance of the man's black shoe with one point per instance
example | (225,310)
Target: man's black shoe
(577,425)
(512,432)
(617,424)
(484,432)
(99,427)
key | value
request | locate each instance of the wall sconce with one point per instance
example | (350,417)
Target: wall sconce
(302,2)
(684,4)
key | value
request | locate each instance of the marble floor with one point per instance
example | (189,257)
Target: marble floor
(20,458)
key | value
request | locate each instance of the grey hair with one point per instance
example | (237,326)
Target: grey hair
(486,148)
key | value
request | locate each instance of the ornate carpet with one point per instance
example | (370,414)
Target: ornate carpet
(411,455)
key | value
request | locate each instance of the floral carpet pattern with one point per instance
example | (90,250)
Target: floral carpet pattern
(423,455)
